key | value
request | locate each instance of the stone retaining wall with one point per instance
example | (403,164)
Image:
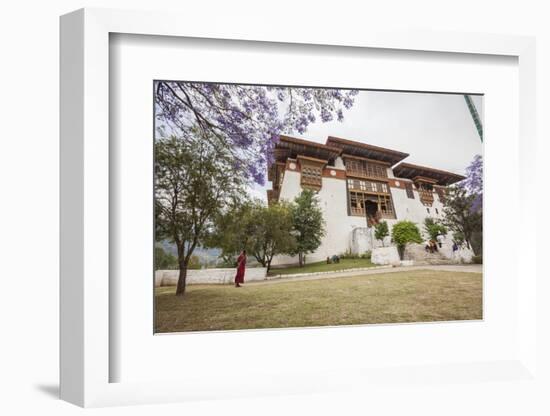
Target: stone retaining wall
(418,254)
(385,255)
(208,276)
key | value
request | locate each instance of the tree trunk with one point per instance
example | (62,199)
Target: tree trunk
(301,259)
(260,260)
(182,280)
(401,251)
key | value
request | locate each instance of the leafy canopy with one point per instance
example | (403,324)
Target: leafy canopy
(308,222)
(404,232)
(271,233)
(264,231)
(433,228)
(192,185)
(461,218)
(164,260)
(381,231)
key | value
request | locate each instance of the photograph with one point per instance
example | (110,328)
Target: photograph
(282,206)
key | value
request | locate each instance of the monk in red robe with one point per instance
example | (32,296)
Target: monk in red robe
(241,264)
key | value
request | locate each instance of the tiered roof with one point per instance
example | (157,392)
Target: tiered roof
(425,174)
(291,147)
(368,151)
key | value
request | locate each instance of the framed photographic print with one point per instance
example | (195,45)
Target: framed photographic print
(315,227)
(285,213)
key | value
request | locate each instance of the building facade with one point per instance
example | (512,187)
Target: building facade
(357,185)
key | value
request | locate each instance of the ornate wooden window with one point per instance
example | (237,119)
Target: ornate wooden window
(426,193)
(409,189)
(383,204)
(365,169)
(386,206)
(368,186)
(312,176)
(311,169)
(441,193)
(356,203)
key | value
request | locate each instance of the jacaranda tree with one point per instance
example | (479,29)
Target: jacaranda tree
(245,119)
(464,207)
(473,184)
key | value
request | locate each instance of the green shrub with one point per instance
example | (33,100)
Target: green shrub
(403,233)
(352,256)
(194,262)
(164,260)
(381,231)
(433,228)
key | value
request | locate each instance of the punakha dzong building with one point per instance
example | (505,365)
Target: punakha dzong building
(357,185)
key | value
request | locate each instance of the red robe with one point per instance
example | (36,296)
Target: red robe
(241,264)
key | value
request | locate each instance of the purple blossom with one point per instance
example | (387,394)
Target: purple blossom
(473,184)
(326,115)
(246,119)
(348,102)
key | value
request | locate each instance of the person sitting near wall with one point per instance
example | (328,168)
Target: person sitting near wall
(455,249)
(335,259)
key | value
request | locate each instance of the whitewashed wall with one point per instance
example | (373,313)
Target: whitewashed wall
(208,276)
(412,209)
(339,225)
(333,202)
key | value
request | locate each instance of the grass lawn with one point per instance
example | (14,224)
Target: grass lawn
(408,296)
(322,266)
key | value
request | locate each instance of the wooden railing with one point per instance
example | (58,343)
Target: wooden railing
(365,169)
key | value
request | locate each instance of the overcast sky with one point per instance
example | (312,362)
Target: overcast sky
(437,130)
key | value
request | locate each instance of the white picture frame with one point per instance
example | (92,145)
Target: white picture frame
(85,355)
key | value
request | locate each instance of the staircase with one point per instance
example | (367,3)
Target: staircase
(420,256)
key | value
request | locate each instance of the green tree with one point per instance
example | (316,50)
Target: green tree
(164,260)
(462,217)
(270,232)
(231,232)
(403,233)
(308,223)
(381,231)
(194,262)
(264,231)
(434,228)
(193,182)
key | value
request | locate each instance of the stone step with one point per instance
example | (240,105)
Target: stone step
(432,261)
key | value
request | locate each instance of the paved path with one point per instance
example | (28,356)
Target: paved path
(469,268)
